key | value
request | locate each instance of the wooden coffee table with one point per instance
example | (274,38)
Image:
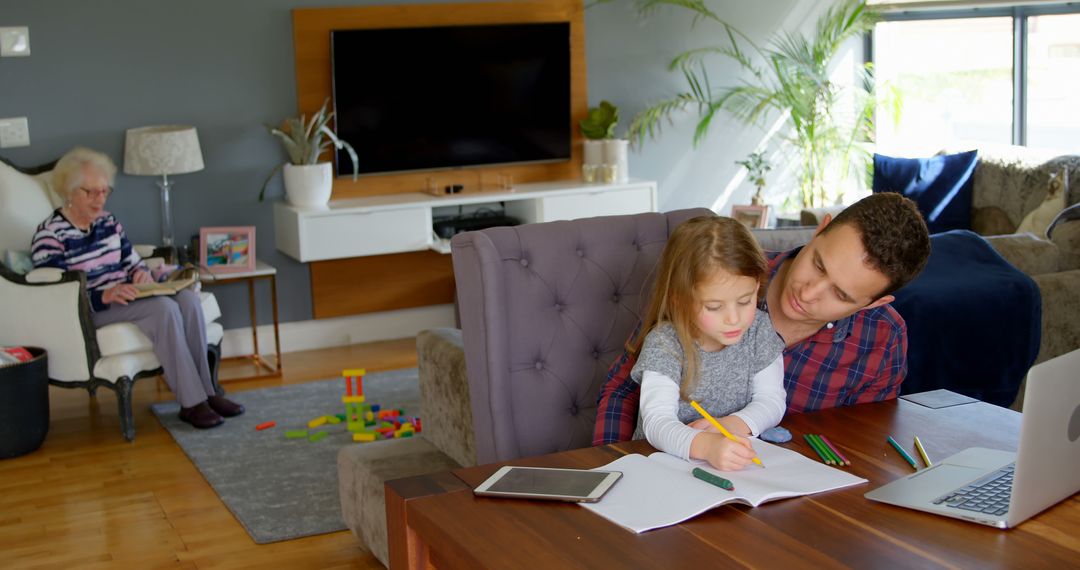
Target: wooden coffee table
(435,520)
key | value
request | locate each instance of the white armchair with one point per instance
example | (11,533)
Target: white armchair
(49,308)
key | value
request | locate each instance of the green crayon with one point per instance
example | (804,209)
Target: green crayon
(713,479)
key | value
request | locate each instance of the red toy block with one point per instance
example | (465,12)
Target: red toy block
(265,425)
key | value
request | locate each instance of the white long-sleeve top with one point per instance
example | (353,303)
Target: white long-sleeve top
(660,404)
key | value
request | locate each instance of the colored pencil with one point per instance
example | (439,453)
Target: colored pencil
(821,452)
(922,452)
(836,450)
(715,423)
(832,454)
(902,453)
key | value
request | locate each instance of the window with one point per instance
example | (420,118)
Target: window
(973,78)
(1053,86)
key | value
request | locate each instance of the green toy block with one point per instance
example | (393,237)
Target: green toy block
(295,433)
(317,436)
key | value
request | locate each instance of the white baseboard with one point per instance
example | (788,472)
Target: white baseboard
(326,333)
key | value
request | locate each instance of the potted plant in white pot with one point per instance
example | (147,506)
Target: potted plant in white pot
(308,182)
(605,156)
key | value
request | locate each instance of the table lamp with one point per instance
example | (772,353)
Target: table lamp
(161,151)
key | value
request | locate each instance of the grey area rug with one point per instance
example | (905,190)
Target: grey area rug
(278,488)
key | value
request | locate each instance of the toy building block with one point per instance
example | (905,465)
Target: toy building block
(353,399)
(354,375)
(333,420)
(317,436)
(295,433)
(364,436)
(265,425)
(340,416)
(316,422)
(416,424)
(375,408)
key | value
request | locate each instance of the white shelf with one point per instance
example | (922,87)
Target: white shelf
(398,223)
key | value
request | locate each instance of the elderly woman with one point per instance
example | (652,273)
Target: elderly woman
(81,235)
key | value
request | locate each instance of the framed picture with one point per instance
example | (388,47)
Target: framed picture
(227,249)
(752,216)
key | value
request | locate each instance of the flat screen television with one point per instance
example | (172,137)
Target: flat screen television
(411,99)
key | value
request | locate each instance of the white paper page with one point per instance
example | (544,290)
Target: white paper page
(651,494)
(660,490)
(786,473)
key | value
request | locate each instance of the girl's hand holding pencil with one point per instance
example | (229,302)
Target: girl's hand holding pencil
(721,452)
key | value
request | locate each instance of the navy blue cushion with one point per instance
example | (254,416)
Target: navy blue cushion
(940,185)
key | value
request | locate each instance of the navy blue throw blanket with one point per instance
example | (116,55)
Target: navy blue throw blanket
(974,321)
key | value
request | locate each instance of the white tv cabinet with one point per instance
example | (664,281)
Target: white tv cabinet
(398,223)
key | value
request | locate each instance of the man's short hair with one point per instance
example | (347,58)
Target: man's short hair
(893,234)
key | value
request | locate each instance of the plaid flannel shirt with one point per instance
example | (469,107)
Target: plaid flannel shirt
(861,358)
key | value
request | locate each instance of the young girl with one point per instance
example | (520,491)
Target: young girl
(707,341)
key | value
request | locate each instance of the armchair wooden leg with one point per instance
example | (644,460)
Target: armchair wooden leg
(213,356)
(123,402)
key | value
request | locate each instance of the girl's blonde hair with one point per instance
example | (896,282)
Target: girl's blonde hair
(694,251)
(67,175)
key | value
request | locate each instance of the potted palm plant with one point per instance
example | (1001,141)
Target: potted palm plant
(790,78)
(308,182)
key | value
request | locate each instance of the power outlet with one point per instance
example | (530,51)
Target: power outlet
(14,132)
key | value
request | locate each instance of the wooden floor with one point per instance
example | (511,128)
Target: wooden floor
(89,499)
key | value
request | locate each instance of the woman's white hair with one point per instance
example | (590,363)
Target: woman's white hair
(67,175)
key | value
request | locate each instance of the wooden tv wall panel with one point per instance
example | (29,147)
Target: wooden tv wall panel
(332,281)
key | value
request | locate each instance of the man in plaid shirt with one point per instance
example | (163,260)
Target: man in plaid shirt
(829,302)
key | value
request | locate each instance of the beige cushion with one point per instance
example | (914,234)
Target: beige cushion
(1038,220)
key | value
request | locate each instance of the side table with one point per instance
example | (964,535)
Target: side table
(24,404)
(262,271)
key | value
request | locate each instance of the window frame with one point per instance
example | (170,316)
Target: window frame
(1019,15)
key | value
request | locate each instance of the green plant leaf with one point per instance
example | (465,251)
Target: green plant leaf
(601,121)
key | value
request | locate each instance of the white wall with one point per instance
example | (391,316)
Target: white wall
(627,59)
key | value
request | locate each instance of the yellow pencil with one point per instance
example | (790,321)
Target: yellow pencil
(922,452)
(713,421)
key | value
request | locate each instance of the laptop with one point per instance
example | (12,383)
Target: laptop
(1045,470)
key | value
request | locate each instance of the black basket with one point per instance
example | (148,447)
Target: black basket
(24,404)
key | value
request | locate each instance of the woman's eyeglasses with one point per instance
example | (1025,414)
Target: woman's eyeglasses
(100,192)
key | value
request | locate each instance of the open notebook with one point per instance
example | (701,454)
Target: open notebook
(659,490)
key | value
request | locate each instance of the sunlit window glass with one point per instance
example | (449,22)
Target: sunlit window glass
(1054,82)
(955,80)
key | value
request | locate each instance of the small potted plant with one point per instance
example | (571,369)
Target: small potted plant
(757,166)
(308,182)
(602,149)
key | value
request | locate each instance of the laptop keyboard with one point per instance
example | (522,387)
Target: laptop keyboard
(989,494)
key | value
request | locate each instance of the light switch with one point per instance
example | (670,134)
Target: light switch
(14,132)
(14,42)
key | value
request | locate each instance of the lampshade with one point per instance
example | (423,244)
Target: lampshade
(162,150)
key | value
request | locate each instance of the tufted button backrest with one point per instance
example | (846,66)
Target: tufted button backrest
(545,309)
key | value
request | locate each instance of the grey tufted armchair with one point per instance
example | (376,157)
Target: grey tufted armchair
(545,309)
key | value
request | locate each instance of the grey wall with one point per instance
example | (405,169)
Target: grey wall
(226,67)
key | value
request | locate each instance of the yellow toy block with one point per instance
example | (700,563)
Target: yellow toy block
(352,372)
(352,399)
(316,422)
(369,416)
(333,419)
(364,436)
